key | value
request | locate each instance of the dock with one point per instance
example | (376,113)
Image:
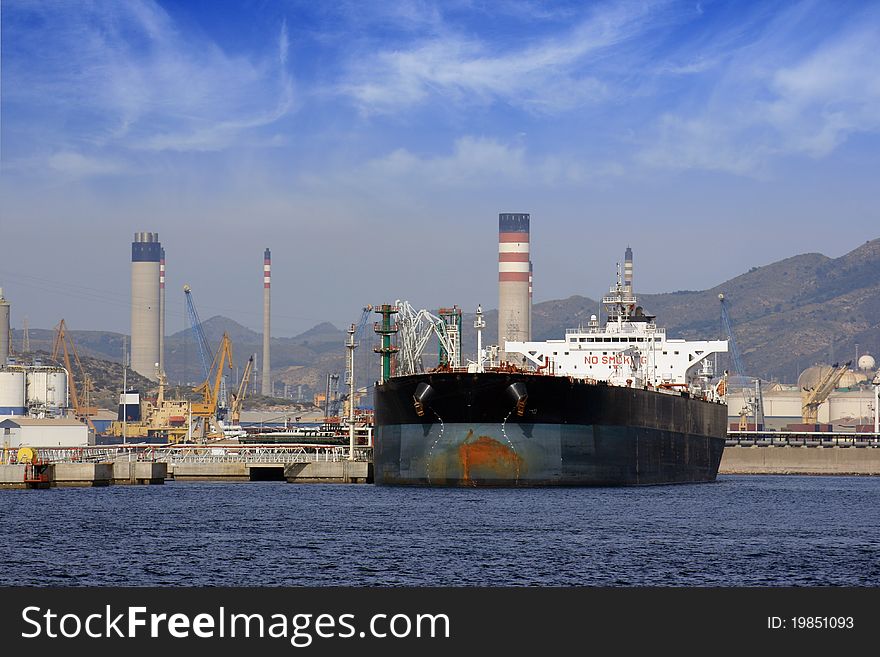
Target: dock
(801,453)
(154,464)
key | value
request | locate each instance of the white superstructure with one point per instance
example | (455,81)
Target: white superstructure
(630,350)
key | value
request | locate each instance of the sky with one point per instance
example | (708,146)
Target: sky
(371,146)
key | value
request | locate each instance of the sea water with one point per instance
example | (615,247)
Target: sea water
(738,531)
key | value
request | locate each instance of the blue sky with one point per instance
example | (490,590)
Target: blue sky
(371,146)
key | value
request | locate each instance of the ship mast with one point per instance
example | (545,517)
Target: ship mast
(479,324)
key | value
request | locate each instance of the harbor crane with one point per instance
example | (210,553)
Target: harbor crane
(201,341)
(64,343)
(206,410)
(238,397)
(755,405)
(813,397)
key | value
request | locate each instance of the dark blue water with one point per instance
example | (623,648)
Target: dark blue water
(740,531)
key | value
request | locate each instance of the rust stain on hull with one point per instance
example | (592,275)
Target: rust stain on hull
(486,457)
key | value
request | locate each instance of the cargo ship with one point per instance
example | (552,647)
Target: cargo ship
(619,404)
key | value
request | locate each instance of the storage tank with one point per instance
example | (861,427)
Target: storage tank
(47,387)
(12,392)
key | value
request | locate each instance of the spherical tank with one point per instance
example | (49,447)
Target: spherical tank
(867,362)
(12,392)
(47,386)
(812,376)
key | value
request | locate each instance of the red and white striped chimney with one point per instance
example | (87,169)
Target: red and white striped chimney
(514,279)
(266,383)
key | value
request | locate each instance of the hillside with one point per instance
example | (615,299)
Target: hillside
(786,316)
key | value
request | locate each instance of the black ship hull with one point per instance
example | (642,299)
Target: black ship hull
(514,429)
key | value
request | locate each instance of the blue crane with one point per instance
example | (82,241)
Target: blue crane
(728,331)
(198,332)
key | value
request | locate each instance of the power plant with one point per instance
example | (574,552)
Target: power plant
(146,255)
(266,383)
(514,279)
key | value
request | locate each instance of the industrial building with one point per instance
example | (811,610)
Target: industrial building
(146,324)
(847,403)
(44,432)
(514,279)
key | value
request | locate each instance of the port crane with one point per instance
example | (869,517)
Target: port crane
(206,410)
(201,341)
(238,397)
(64,344)
(750,405)
(814,397)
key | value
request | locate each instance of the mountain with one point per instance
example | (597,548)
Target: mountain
(786,316)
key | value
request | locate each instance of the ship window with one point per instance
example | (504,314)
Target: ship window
(606,339)
(665,353)
(566,353)
(583,339)
(675,352)
(555,353)
(640,339)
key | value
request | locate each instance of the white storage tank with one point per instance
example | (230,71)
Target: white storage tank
(47,387)
(13,399)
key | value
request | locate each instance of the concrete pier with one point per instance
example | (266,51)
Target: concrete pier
(12,476)
(321,472)
(800,460)
(81,474)
(325,472)
(63,475)
(136,472)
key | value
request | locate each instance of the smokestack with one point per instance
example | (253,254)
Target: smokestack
(162,311)
(4,329)
(266,387)
(628,270)
(513,278)
(146,252)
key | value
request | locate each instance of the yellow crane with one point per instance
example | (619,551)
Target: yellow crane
(238,397)
(814,397)
(64,343)
(210,392)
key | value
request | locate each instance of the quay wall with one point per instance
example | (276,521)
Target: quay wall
(800,460)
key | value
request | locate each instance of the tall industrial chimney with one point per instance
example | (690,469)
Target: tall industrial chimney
(513,278)
(266,387)
(146,252)
(162,311)
(628,270)
(4,329)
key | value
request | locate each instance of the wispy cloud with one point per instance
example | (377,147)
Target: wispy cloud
(545,75)
(776,95)
(126,76)
(76,165)
(470,163)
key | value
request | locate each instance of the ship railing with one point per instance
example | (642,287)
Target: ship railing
(624,328)
(802,439)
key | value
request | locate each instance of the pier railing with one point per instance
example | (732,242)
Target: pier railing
(802,439)
(287,453)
